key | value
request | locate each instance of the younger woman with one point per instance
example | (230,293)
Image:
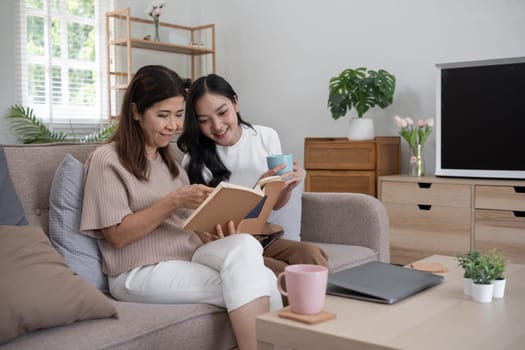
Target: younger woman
(221,146)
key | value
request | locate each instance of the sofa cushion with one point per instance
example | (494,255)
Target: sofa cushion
(11,211)
(139,327)
(65,208)
(38,290)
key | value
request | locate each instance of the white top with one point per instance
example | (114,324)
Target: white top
(246,159)
(247,162)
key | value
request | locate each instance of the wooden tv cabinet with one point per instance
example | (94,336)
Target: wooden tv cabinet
(435,215)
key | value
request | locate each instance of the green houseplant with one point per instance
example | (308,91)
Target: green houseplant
(498,266)
(31,129)
(468,262)
(360,89)
(482,286)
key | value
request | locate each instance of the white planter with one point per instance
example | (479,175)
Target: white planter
(467,286)
(361,129)
(499,288)
(482,293)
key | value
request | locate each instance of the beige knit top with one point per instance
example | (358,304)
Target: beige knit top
(111,193)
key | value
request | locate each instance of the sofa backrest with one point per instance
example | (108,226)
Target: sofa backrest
(32,168)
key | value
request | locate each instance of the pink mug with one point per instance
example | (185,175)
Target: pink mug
(305,287)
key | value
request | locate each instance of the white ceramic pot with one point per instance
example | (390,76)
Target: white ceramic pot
(361,129)
(482,293)
(467,286)
(499,288)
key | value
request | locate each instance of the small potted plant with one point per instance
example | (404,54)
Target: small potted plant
(468,262)
(498,264)
(361,89)
(482,274)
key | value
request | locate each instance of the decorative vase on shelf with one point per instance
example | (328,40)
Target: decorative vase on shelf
(416,163)
(156,24)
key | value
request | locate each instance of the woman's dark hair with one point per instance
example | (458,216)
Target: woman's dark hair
(151,84)
(201,149)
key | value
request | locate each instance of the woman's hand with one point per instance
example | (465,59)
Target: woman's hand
(190,196)
(219,233)
(293,178)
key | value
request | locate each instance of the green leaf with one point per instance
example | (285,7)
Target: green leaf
(31,129)
(361,89)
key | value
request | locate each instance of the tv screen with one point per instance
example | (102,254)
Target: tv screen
(480,119)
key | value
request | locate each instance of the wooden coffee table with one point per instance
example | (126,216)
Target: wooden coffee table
(441,317)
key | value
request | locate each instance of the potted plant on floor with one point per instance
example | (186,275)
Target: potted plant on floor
(468,261)
(482,274)
(362,90)
(498,263)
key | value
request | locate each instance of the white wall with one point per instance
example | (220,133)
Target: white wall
(280,54)
(7,64)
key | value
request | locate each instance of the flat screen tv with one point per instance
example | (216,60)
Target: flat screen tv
(480,119)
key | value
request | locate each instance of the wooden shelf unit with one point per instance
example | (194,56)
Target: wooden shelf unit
(340,165)
(434,215)
(118,35)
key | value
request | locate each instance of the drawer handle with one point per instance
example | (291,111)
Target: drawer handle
(424,206)
(519,189)
(519,214)
(424,184)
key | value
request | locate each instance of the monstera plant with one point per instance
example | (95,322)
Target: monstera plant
(360,89)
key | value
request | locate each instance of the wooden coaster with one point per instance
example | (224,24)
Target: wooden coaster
(433,267)
(306,318)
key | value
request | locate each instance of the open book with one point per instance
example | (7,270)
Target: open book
(237,203)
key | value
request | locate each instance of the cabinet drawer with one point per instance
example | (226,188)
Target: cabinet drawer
(500,197)
(340,181)
(418,232)
(453,195)
(339,154)
(502,230)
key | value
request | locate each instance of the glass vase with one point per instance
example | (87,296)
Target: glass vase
(416,163)
(156,24)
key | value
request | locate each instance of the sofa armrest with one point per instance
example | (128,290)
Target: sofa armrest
(346,218)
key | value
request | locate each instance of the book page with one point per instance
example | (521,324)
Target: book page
(262,182)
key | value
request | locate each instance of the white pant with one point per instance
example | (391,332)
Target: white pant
(228,272)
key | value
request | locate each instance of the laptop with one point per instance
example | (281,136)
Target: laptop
(380,282)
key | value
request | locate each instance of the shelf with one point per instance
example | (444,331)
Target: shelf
(120,46)
(161,46)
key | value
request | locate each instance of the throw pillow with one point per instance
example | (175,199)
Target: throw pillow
(11,211)
(65,209)
(38,290)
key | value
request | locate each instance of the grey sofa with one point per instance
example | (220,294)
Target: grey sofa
(352,228)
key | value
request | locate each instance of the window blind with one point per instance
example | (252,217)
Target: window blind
(62,62)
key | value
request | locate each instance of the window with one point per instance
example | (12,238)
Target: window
(62,61)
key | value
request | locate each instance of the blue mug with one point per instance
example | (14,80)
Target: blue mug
(278,159)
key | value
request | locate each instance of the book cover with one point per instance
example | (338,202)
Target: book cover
(233,202)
